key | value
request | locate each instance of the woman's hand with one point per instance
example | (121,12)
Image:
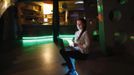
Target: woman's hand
(75,44)
(80,45)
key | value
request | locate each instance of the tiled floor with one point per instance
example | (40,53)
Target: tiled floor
(46,60)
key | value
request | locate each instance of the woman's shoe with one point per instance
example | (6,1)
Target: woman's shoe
(72,72)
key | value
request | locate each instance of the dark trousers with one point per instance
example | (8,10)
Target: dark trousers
(67,55)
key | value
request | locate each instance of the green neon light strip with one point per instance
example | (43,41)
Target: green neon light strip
(38,40)
(39,37)
(27,43)
(30,41)
(101,26)
(45,37)
(71,36)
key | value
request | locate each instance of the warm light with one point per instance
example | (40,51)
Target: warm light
(132,37)
(100,17)
(45,19)
(7,3)
(47,55)
(47,8)
(79,2)
(4,4)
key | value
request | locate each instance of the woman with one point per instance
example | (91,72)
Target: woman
(80,48)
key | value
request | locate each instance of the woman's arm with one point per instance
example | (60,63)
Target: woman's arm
(86,40)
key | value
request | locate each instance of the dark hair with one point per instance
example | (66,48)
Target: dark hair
(84,26)
(83,21)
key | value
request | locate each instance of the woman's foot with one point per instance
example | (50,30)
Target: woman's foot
(72,72)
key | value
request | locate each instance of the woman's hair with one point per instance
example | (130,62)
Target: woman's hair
(83,21)
(84,26)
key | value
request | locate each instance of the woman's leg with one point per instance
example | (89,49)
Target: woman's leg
(67,58)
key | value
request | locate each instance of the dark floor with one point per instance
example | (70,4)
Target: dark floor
(45,60)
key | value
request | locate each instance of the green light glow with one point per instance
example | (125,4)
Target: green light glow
(123,1)
(36,42)
(117,13)
(45,37)
(30,41)
(38,37)
(99,8)
(101,26)
(95,33)
(66,43)
(66,36)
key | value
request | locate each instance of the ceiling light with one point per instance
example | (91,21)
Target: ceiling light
(79,2)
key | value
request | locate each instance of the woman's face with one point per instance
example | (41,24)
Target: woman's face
(79,24)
